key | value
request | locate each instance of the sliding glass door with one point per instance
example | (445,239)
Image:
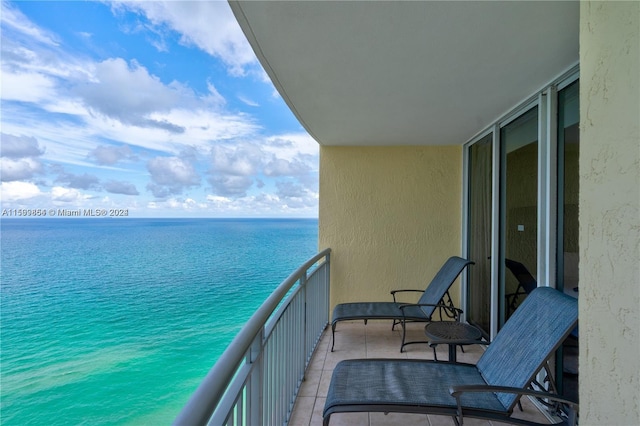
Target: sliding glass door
(493,296)
(518,211)
(480,233)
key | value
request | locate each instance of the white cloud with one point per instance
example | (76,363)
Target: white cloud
(23,168)
(108,155)
(128,93)
(176,207)
(14,20)
(27,87)
(290,190)
(19,146)
(238,160)
(200,125)
(78,181)
(264,204)
(169,170)
(119,187)
(233,168)
(16,191)
(292,145)
(19,157)
(230,186)
(281,167)
(296,196)
(218,199)
(214,98)
(171,175)
(209,25)
(248,101)
(33,61)
(111,99)
(67,195)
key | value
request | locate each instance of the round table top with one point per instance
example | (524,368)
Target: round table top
(451,330)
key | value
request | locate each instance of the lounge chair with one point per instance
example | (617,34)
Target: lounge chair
(433,297)
(488,390)
(526,284)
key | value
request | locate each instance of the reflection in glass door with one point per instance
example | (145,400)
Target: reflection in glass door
(479,235)
(519,212)
(567,244)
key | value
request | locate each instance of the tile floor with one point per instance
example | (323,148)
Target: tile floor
(376,340)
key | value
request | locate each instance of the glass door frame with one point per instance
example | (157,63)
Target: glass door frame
(547,102)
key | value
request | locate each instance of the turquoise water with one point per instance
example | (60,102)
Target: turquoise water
(117,321)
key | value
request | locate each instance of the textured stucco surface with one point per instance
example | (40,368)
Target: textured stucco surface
(391,215)
(609,213)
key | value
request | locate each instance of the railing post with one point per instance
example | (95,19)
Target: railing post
(328,286)
(306,320)
(254,392)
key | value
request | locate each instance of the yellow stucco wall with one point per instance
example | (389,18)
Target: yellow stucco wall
(391,215)
(609,213)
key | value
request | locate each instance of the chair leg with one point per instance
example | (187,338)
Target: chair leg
(333,335)
(393,325)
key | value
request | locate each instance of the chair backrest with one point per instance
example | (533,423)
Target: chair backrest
(442,281)
(534,331)
(526,281)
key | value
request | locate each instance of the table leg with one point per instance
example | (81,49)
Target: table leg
(452,353)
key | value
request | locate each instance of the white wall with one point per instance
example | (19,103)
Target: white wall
(609,295)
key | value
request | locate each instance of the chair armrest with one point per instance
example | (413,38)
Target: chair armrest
(406,289)
(457,391)
(393,292)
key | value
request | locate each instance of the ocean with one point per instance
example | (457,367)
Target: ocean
(117,321)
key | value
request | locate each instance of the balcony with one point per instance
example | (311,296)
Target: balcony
(278,369)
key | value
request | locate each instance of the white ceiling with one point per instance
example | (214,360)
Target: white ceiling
(408,73)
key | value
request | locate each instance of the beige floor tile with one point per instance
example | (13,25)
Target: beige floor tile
(302,411)
(440,420)
(316,416)
(529,411)
(317,361)
(395,419)
(349,419)
(309,386)
(335,357)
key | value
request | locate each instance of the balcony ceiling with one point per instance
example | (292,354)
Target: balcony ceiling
(408,73)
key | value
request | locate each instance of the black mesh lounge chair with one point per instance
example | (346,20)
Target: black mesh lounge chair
(526,284)
(488,390)
(433,297)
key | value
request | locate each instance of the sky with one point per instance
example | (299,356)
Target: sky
(156,109)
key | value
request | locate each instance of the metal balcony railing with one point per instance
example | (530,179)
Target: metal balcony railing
(257,378)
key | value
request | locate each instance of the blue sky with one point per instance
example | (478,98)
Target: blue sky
(160,108)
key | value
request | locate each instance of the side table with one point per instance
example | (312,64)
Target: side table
(452,333)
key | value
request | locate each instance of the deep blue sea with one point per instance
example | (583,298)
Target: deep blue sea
(116,321)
